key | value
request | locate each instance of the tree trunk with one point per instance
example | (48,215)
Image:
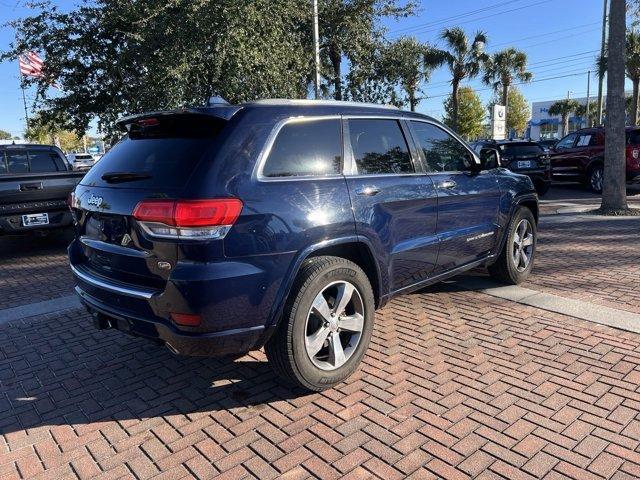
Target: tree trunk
(614,194)
(505,102)
(454,103)
(565,124)
(336,58)
(634,102)
(411,93)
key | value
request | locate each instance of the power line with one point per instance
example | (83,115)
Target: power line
(422,31)
(545,34)
(454,17)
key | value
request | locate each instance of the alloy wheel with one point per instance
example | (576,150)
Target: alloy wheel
(596,179)
(522,248)
(334,325)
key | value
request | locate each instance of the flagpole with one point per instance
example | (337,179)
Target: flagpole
(24,102)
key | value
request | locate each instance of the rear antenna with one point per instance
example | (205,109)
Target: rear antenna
(216,100)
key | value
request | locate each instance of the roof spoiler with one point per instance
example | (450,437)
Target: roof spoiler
(222,112)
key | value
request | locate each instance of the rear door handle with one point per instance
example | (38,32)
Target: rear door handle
(368,191)
(448,184)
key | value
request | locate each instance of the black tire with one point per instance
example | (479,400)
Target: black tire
(542,188)
(592,178)
(286,349)
(505,269)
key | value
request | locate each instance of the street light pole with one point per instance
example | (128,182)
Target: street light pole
(316,48)
(602,52)
(588,97)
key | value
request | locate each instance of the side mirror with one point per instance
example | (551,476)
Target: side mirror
(490,158)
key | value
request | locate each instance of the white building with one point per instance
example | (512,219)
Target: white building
(544,126)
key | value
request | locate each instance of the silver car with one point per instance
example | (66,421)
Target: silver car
(81,161)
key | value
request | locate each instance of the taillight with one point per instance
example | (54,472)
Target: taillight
(188,219)
(71,199)
(187,319)
(635,153)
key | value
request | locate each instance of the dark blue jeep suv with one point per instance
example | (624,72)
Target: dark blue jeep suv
(285,224)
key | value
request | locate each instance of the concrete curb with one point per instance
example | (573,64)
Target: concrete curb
(39,308)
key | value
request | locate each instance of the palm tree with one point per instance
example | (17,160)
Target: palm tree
(564,108)
(632,68)
(464,58)
(590,119)
(614,193)
(410,63)
(502,68)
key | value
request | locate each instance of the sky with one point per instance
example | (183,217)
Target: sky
(560,37)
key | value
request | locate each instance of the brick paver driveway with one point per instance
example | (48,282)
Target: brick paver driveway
(456,384)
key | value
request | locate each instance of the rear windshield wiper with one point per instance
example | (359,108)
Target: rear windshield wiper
(116,177)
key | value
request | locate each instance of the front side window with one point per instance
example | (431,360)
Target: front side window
(379,147)
(566,142)
(442,152)
(306,148)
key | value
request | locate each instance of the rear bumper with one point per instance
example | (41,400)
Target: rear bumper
(227,342)
(537,176)
(11,223)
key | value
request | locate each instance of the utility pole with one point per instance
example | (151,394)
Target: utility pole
(316,47)
(24,102)
(588,98)
(602,54)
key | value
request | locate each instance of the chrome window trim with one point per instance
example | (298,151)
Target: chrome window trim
(266,150)
(111,287)
(351,161)
(474,155)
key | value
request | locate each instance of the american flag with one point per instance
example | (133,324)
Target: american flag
(31,64)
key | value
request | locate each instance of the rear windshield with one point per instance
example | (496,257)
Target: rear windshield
(520,149)
(18,161)
(161,153)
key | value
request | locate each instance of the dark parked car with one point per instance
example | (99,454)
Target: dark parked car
(579,157)
(286,224)
(547,144)
(35,181)
(524,157)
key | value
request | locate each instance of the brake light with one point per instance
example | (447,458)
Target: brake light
(635,153)
(190,219)
(148,122)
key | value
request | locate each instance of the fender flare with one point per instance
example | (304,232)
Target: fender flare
(283,292)
(517,201)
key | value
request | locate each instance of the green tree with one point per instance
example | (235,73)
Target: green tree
(112,58)
(464,58)
(350,29)
(503,68)
(409,63)
(564,108)
(470,115)
(4,135)
(632,67)
(518,111)
(614,193)
(592,118)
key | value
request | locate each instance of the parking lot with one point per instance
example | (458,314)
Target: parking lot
(459,382)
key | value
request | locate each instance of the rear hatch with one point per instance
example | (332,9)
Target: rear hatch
(523,156)
(154,160)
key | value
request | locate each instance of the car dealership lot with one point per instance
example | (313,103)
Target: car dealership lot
(456,383)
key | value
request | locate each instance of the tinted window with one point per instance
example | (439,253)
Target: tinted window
(566,142)
(520,149)
(379,146)
(3,163)
(164,154)
(442,152)
(42,161)
(17,161)
(633,137)
(306,148)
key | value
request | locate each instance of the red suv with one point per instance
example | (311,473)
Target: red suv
(579,157)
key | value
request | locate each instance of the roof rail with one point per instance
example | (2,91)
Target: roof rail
(287,101)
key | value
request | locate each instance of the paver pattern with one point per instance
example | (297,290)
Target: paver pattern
(456,384)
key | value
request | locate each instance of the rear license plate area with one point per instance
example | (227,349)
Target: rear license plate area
(35,219)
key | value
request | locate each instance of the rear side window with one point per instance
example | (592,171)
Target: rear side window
(306,148)
(42,161)
(379,146)
(17,161)
(566,142)
(443,152)
(158,153)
